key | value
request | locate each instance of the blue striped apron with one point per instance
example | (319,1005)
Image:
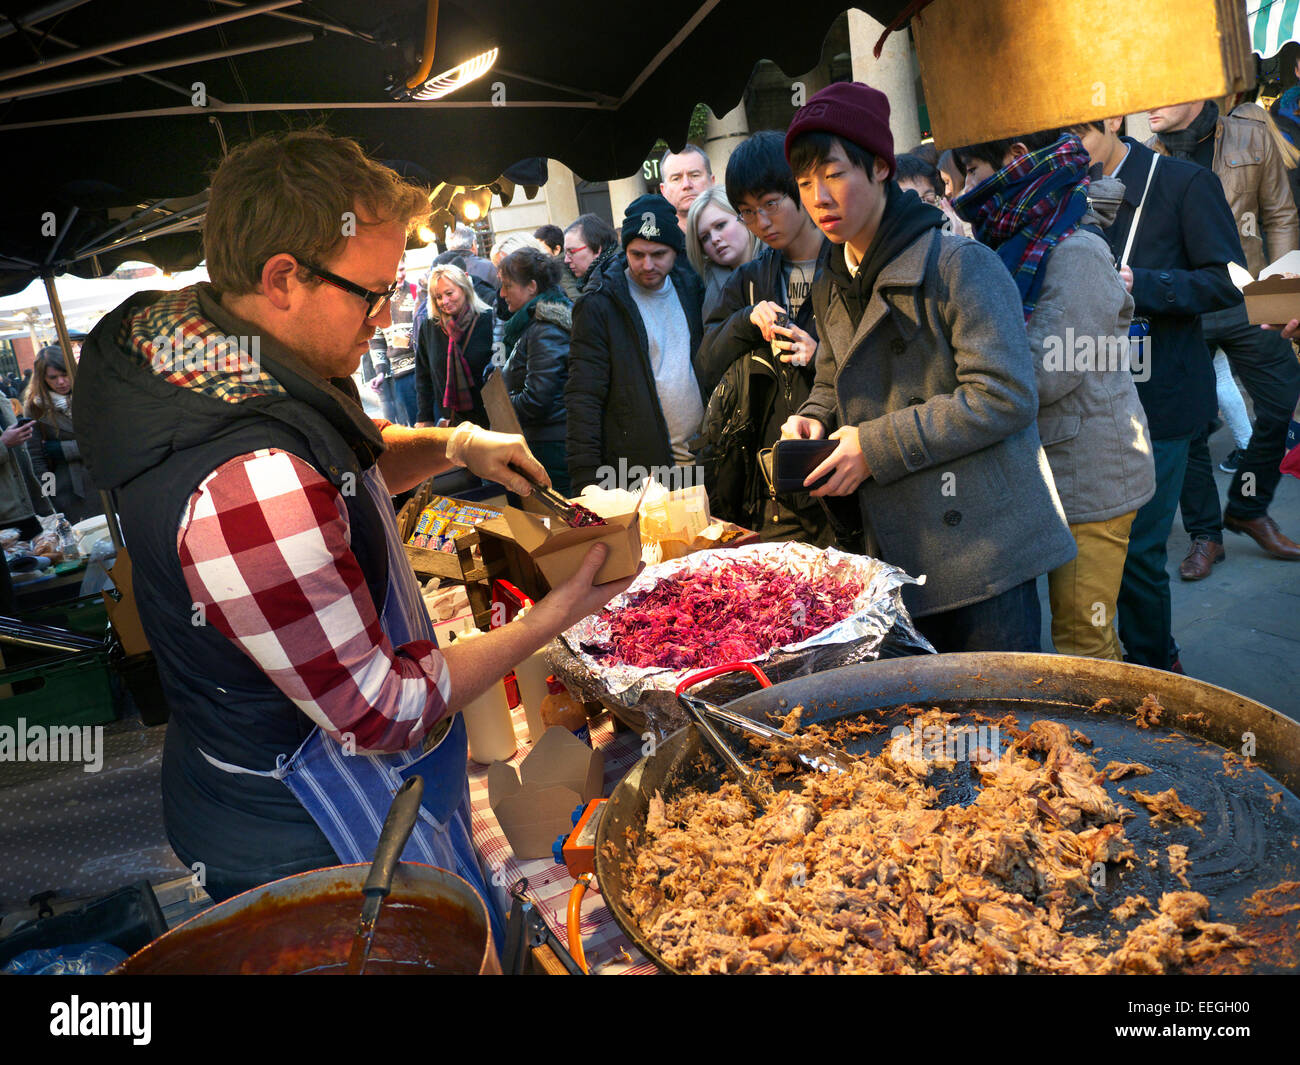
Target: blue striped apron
(348,795)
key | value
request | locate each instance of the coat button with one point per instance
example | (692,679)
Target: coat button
(952,517)
(914,401)
(897,347)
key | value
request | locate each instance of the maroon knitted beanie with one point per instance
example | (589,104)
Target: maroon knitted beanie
(852,111)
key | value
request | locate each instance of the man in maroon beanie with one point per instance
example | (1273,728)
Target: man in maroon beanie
(925,383)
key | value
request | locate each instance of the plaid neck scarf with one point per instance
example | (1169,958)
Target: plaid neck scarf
(1027,208)
(177,341)
(458,395)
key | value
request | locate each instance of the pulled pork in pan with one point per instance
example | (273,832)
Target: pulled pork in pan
(865,873)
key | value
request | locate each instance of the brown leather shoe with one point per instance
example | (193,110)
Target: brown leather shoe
(1264,531)
(1203,554)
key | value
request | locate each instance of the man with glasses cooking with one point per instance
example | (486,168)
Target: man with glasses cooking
(293,646)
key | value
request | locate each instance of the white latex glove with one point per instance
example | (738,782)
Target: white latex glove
(499,457)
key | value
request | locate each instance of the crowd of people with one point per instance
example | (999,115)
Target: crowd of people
(996,407)
(831,288)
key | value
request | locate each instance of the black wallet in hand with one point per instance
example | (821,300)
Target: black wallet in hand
(793,460)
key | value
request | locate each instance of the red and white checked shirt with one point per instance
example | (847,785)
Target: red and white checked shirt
(265,547)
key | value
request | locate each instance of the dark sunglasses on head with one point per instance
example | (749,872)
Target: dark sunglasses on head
(375,301)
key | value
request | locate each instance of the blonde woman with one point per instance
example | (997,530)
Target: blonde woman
(717,242)
(453,349)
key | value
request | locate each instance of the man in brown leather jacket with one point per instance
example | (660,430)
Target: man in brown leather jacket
(1238,148)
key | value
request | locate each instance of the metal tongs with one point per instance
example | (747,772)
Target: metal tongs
(554,502)
(815,756)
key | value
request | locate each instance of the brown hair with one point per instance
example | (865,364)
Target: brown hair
(295,193)
(36,397)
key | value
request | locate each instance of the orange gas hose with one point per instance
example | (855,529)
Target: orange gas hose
(575,916)
(430,43)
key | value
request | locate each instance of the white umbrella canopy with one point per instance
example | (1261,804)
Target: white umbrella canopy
(84,300)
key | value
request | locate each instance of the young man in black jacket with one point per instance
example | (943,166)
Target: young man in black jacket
(633,394)
(768,367)
(1176,271)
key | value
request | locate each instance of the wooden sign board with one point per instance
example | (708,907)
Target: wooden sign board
(999,68)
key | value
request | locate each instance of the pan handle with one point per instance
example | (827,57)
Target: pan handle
(393,836)
(717,671)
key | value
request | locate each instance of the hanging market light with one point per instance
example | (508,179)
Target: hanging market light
(462,74)
(474,55)
(472,204)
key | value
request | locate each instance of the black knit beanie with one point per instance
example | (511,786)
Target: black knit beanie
(651,217)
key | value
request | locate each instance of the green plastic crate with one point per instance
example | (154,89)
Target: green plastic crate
(86,615)
(69,690)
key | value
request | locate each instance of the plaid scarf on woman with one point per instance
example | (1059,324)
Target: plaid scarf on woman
(458,396)
(1027,208)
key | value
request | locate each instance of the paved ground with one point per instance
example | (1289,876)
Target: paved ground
(1240,627)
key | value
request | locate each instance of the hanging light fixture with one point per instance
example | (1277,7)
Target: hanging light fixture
(472,204)
(475,55)
(449,81)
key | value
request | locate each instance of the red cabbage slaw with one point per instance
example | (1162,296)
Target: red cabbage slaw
(739,611)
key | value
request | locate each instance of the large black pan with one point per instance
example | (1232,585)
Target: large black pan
(1250,838)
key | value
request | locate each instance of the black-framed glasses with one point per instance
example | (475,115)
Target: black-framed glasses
(375,301)
(767,209)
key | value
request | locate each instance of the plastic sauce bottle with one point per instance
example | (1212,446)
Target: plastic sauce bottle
(531,675)
(67,539)
(490,728)
(561,708)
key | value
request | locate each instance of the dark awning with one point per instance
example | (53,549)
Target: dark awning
(590,84)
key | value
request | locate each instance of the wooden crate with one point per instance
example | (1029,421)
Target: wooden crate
(462,567)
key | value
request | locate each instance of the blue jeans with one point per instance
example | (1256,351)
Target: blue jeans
(1012,621)
(404,398)
(1145,608)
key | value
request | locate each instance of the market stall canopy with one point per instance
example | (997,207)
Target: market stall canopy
(108,108)
(1272,24)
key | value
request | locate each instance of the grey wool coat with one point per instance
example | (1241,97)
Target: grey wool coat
(1090,418)
(939,380)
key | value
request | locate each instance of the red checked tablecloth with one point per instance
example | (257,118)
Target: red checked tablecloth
(608,950)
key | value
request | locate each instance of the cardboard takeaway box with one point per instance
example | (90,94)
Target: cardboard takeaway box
(559,773)
(558,550)
(1273,299)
